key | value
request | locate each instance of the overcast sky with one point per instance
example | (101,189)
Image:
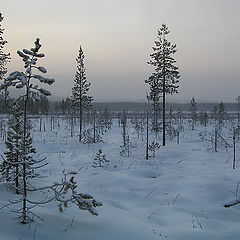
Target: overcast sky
(117,37)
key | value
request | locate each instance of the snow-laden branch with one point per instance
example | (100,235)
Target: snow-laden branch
(65,193)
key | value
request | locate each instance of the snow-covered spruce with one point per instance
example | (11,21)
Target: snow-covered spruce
(153,147)
(11,167)
(80,99)
(100,160)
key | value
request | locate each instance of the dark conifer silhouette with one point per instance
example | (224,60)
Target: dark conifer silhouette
(164,79)
(81,101)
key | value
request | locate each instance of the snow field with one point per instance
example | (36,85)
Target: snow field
(179,194)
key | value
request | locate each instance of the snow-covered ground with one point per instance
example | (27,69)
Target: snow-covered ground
(179,194)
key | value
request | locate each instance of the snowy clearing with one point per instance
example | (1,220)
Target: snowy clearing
(179,194)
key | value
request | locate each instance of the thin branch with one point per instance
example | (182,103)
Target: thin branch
(232,203)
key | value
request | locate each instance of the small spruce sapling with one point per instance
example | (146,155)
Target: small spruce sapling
(100,160)
(10,167)
(153,147)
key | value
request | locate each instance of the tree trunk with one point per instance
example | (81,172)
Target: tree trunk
(94,127)
(215,141)
(234,149)
(164,112)
(80,120)
(155,117)
(16,179)
(24,208)
(124,122)
(147,154)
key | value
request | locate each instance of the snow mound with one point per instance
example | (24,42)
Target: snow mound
(144,173)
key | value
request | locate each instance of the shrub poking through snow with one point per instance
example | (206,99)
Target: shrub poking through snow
(126,148)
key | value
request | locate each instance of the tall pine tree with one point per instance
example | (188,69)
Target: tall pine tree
(80,99)
(23,80)
(164,79)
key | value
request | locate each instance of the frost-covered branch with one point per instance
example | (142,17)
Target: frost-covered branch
(65,193)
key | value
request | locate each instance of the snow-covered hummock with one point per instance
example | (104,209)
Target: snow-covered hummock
(177,195)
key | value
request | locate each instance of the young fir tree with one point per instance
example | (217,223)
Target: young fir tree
(24,80)
(10,168)
(81,101)
(100,160)
(153,147)
(164,80)
(193,112)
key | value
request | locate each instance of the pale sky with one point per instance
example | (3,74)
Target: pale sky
(117,37)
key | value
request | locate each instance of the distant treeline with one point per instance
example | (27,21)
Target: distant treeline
(137,106)
(64,107)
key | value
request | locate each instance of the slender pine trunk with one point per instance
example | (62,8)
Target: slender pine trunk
(164,112)
(147,136)
(24,208)
(16,175)
(16,179)
(94,126)
(234,149)
(80,119)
